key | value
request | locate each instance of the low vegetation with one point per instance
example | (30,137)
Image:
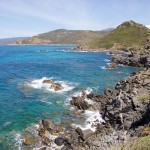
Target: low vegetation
(128,34)
(62,36)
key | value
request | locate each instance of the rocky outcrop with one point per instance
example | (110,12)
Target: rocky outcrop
(124,111)
(53,85)
(111,66)
(132,60)
(80,103)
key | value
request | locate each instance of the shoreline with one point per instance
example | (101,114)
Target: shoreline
(114,128)
(121,111)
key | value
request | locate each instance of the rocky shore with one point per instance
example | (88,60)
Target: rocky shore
(134,57)
(124,111)
(122,114)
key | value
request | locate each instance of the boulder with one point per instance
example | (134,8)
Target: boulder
(108,92)
(80,103)
(26,140)
(48,124)
(56,87)
(111,66)
(87,133)
(46,140)
(48,81)
(59,141)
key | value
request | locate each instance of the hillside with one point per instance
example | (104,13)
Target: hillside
(13,40)
(63,36)
(128,34)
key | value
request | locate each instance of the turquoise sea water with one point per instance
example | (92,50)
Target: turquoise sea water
(23,102)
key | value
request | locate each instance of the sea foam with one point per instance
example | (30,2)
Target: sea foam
(38,84)
(92,119)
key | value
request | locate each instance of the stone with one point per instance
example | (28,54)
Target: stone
(80,103)
(108,92)
(59,141)
(111,66)
(48,81)
(87,133)
(46,140)
(48,124)
(56,87)
(26,140)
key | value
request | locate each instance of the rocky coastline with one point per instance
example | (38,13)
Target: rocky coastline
(124,112)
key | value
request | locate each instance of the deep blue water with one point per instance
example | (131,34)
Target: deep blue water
(22,105)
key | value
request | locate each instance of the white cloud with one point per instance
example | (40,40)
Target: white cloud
(73,14)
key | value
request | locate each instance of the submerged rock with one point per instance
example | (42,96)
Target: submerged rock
(111,66)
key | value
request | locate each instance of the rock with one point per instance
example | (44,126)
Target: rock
(59,141)
(56,87)
(87,133)
(59,128)
(48,81)
(111,66)
(80,103)
(41,132)
(26,141)
(108,92)
(90,96)
(46,140)
(48,124)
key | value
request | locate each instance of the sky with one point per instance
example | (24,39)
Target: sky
(31,17)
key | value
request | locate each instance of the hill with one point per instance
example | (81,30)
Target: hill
(63,36)
(128,34)
(13,40)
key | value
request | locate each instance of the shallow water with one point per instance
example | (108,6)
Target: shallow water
(23,101)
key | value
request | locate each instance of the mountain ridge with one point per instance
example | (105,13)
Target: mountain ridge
(64,36)
(126,35)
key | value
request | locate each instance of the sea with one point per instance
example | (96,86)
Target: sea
(25,100)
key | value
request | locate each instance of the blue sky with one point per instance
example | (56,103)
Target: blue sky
(30,17)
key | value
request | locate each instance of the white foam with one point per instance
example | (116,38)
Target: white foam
(86,91)
(107,60)
(92,119)
(18,141)
(103,67)
(108,63)
(33,129)
(44,101)
(38,84)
